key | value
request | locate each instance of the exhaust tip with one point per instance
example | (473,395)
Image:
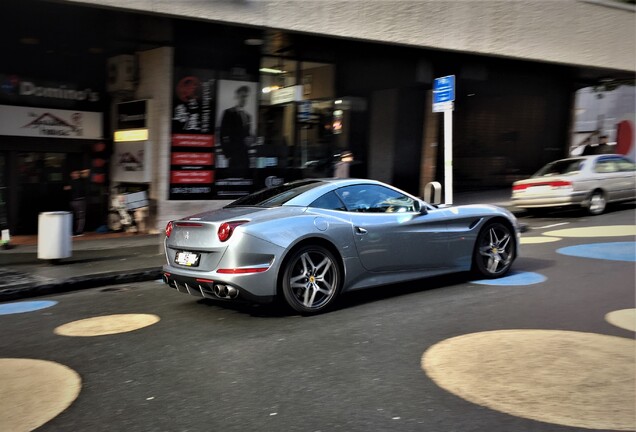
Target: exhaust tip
(225,292)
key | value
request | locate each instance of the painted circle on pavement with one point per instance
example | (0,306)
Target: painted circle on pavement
(25,306)
(513,279)
(106,325)
(576,379)
(537,240)
(34,391)
(624,318)
(618,251)
(595,231)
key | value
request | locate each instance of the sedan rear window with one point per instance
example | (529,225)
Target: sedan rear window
(566,166)
(275,196)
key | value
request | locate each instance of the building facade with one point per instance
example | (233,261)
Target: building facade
(197,103)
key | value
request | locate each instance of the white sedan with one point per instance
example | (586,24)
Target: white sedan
(590,182)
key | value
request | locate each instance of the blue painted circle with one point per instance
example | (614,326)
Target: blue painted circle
(615,251)
(514,278)
(27,306)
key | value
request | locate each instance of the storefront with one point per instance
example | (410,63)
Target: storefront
(229,109)
(46,132)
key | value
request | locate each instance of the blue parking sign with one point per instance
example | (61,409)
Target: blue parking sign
(444,89)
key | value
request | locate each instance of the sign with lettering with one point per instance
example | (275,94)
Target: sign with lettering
(132,115)
(27,91)
(50,123)
(192,161)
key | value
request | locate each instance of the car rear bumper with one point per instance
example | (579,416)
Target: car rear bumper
(574,199)
(215,289)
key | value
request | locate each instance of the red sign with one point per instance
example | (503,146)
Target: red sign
(191,177)
(191,140)
(186,158)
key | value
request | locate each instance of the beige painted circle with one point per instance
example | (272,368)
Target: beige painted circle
(106,325)
(595,231)
(568,378)
(624,318)
(536,240)
(34,391)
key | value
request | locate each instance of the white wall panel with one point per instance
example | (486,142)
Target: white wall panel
(598,33)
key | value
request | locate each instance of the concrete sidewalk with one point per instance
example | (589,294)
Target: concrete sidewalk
(116,258)
(97,260)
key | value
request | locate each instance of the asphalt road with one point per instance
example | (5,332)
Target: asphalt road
(537,353)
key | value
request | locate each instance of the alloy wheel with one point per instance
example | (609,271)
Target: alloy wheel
(597,203)
(311,280)
(495,250)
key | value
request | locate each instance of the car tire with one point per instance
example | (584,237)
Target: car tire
(597,203)
(495,250)
(311,279)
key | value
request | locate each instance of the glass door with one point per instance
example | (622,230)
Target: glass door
(40,184)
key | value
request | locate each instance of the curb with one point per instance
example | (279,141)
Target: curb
(79,282)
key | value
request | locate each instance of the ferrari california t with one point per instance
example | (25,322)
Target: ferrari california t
(310,240)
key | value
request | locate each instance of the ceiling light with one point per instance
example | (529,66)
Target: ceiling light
(28,40)
(254,42)
(270,89)
(272,71)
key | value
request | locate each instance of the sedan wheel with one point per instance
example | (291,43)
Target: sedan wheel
(495,250)
(311,280)
(597,203)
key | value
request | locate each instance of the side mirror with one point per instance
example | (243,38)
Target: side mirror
(420,207)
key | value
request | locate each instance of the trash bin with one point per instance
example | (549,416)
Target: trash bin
(55,235)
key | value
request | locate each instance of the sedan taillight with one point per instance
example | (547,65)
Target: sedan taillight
(169,229)
(560,184)
(227,228)
(557,184)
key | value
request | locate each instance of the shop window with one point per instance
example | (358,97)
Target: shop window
(296,114)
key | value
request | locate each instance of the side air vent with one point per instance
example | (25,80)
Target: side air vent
(474,223)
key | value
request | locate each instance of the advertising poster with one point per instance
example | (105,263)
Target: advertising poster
(237,114)
(130,162)
(192,162)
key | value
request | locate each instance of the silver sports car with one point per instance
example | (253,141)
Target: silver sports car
(310,240)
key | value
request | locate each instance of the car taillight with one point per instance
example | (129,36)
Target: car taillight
(560,184)
(519,187)
(169,229)
(227,228)
(557,184)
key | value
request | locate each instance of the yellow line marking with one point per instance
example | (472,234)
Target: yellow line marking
(624,318)
(32,392)
(106,325)
(537,240)
(576,379)
(596,231)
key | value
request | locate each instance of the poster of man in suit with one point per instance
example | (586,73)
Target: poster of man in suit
(236,124)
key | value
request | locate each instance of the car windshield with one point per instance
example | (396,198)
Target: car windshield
(275,196)
(566,166)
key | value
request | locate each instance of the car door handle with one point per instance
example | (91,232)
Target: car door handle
(360,230)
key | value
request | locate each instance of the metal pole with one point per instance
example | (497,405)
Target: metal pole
(448,156)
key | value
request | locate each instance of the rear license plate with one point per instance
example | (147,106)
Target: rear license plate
(189,259)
